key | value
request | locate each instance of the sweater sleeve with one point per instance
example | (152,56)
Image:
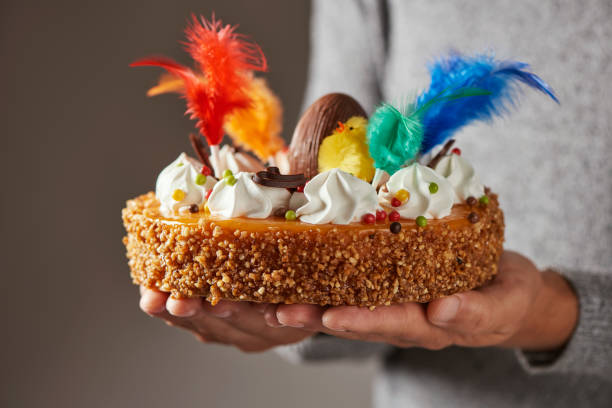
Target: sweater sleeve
(589,351)
(347,50)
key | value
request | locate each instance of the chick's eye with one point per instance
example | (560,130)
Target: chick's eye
(350,128)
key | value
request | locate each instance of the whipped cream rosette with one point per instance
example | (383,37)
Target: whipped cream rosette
(181,185)
(461,175)
(428,194)
(337,197)
(244,198)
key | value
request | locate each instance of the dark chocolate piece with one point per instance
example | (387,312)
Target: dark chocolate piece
(441,153)
(471,201)
(395,227)
(272,178)
(200,150)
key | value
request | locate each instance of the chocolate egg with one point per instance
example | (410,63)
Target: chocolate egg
(318,122)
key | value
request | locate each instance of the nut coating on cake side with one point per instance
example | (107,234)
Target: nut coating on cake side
(278,261)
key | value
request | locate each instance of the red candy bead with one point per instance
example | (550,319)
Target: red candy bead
(456,151)
(208,193)
(394,216)
(395,202)
(381,215)
(369,219)
(206,171)
(300,189)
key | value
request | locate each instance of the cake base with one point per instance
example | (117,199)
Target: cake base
(280,261)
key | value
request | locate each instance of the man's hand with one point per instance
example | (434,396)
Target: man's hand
(520,308)
(240,324)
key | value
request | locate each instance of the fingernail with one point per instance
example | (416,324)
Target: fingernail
(338,328)
(326,322)
(448,311)
(223,315)
(296,325)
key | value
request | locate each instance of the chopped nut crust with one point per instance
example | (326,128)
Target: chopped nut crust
(281,261)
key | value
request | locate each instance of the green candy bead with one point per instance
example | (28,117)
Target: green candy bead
(421,221)
(227,173)
(433,188)
(484,200)
(200,179)
(290,215)
(230,180)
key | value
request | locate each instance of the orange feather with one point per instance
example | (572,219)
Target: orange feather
(225,59)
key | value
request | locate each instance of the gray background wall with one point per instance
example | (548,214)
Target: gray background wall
(79,137)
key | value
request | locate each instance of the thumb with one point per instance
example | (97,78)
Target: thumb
(467,313)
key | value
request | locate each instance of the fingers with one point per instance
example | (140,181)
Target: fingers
(307,317)
(247,318)
(402,325)
(492,313)
(184,307)
(151,301)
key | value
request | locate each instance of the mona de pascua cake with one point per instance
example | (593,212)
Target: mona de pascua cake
(358,210)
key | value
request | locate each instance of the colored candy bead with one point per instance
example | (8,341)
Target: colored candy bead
(402,195)
(179,165)
(178,195)
(227,173)
(395,227)
(433,188)
(193,208)
(381,215)
(394,216)
(484,200)
(208,193)
(230,180)
(300,189)
(200,179)
(290,215)
(473,217)
(206,171)
(421,221)
(456,151)
(395,202)
(368,219)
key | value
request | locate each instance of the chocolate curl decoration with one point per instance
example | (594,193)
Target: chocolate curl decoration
(272,178)
(200,150)
(436,159)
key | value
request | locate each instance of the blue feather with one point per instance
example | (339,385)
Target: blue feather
(455,72)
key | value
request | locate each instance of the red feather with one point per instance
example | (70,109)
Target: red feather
(226,59)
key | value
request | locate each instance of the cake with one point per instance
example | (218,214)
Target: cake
(358,210)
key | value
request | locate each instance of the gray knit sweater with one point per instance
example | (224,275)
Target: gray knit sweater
(551,166)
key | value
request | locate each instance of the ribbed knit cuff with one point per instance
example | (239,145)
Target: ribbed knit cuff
(589,351)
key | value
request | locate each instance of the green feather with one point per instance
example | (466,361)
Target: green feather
(395,138)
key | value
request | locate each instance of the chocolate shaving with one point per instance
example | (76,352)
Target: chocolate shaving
(433,162)
(200,150)
(272,178)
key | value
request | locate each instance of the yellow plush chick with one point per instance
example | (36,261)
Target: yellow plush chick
(347,150)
